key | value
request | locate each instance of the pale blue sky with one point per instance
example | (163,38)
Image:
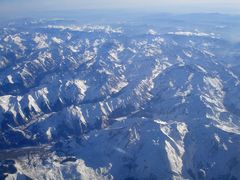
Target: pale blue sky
(225,6)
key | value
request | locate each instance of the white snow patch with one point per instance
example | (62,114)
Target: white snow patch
(188,53)
(16,39)
(190,77)
(5,102)
(174,159)
(201,68)
(57,40)
(73,48)
(217,138)
(42,56)
(121,118)
(49,133)
(171,84)
(76,112)
(40,40)
(81,86)
(160,122)
(179,59)
(103,109)
(88,55)
(10,79)
(32,104)
(88,28)
(228,128)
(152,32)
(120,150)
(113,55)
(158,40)
(118,86)
(208,53)
(184,93)
(214,82)
(186,33)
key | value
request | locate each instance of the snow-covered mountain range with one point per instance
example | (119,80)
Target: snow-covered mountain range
(119,101)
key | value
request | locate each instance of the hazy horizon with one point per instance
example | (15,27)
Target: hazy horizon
(22,7)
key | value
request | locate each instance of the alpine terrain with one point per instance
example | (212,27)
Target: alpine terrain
(147,98)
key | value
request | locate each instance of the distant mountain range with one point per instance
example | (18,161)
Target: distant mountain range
(129,100)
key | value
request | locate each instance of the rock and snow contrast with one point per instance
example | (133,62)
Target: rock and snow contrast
(106,102)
